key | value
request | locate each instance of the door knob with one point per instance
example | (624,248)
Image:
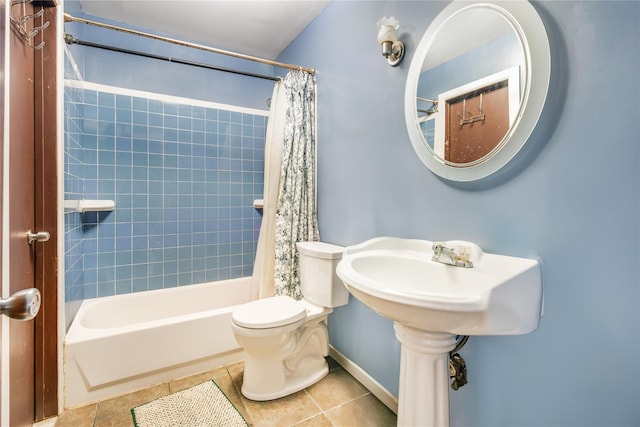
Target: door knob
(23,305)
(40,236)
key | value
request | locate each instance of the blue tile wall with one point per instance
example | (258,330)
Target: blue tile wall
(183,178)
(73,184)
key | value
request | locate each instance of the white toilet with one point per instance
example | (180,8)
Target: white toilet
(285,340)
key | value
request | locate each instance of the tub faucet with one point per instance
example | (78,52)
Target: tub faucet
(458,256)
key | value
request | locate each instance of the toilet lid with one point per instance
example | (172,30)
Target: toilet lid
(269,313)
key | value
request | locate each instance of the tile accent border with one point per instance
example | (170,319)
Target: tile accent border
(79,84)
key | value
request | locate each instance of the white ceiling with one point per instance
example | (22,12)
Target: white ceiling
(261,28)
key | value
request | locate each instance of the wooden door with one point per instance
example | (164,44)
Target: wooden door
(3,36)
(46,214)
(31,152)
(476,123)
(21,188)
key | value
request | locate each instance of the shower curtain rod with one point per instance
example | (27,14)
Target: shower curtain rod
(70,18)
(69,39)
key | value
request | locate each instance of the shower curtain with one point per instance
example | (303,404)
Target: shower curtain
(296,218)
(289,210)
(263,269)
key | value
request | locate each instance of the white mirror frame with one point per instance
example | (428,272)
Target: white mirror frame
(530,30)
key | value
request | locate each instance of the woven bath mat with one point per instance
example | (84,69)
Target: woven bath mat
(204,405)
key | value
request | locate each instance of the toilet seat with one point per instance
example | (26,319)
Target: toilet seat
(269,313)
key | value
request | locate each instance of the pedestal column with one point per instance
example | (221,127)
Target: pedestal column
(424,377)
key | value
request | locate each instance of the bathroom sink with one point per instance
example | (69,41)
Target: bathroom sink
(499,295)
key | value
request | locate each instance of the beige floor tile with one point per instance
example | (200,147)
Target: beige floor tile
(336,389)
(225,382)
(345,402)
(188,382)
(317,421)
(236,371)
(116,412)
(222,378)
(82,416)
(366,411)
(332,364)
(286,411)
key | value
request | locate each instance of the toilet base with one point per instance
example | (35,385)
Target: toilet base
(281,361)
(295,381)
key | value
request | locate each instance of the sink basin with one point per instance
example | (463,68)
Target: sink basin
(499,295)
(431,302)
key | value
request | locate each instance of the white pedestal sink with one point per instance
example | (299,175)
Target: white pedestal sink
(430,303)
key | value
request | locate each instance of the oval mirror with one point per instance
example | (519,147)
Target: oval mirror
(476,87)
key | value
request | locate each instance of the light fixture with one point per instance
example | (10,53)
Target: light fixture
(392,48)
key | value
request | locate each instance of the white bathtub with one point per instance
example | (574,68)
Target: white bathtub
(123,343)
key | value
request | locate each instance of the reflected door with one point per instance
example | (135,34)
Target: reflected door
(476,122)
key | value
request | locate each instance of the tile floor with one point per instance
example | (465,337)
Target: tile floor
(337,400)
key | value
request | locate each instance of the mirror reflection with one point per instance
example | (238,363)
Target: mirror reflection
(470,87)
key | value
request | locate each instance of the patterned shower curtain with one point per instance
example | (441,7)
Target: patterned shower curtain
(296,219)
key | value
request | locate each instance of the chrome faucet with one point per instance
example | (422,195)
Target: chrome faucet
(458,256)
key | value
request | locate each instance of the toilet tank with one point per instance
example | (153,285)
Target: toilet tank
(318,279)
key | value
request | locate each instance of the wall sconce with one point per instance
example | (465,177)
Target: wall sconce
(392,48)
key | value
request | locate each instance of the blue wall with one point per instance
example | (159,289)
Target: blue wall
(571,199)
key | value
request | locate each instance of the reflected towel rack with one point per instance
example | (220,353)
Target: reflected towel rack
(433,101)
(430,111)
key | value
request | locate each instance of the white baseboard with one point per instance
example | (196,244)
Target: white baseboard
(365,379)
(49,422)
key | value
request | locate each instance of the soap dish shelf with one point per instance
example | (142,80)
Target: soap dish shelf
(83,206)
